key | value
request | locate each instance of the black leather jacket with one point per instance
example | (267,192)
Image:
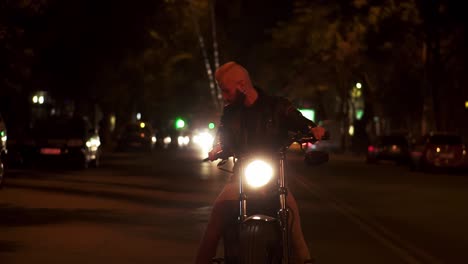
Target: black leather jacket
(262,127)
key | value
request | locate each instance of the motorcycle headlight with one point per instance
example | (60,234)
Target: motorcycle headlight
(258,173)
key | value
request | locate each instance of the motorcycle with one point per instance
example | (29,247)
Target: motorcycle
(260,231)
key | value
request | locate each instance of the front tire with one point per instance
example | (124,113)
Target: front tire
(260,242)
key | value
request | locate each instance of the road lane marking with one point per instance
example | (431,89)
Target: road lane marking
(404,249)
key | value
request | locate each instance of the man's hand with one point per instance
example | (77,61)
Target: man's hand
(318,132)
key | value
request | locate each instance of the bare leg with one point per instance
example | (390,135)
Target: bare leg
(213,231)
(300,248)
(209,242)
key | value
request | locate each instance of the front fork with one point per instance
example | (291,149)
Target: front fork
(283,213)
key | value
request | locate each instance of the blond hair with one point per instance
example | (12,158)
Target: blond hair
(231,71)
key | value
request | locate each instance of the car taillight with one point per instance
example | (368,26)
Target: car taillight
(371,148)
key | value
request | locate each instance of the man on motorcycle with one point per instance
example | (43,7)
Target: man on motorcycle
(251,120)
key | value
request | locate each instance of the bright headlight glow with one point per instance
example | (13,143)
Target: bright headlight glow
(183,140)
(204,140)
(258,173)
(93,143)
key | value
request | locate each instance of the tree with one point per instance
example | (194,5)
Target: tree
(18,43)
(335,44)
(19,46)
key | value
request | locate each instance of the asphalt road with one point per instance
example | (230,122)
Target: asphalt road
(140,208)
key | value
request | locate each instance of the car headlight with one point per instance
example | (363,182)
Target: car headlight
(258,173)
(93,143)
(204,140)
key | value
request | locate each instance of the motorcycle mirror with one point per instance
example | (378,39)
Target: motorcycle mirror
(314,158)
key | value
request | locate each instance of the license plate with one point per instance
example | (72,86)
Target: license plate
(447,156)
(50,151)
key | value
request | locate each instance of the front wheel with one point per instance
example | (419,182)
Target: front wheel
(260,242)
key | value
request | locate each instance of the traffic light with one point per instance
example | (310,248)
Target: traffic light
(211,125)
(180,123)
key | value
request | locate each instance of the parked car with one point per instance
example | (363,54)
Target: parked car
(19,145)
(3,148)
(392,147)
(3,138)
(71,141)
(137,136)
(439,150)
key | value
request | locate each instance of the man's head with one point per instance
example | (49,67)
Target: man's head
(234,81)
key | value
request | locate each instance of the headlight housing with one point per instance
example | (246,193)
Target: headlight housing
(258,173)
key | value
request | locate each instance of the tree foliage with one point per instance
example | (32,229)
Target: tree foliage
(384,44)
(17,45)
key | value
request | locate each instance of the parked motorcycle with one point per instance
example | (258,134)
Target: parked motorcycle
(260,232)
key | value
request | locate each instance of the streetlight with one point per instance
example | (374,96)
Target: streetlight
(358,85)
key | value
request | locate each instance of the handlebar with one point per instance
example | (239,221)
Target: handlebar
(300,138)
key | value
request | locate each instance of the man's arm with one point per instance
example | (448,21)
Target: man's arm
(297,122)
(221,142)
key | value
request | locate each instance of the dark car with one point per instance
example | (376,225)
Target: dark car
(137,136)
(3,148)
(390,148)
(439,150)
(68,140)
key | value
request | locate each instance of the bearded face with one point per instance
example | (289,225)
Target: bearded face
(239,98)
(232,95)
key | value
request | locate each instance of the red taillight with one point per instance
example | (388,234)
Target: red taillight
(371,149)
